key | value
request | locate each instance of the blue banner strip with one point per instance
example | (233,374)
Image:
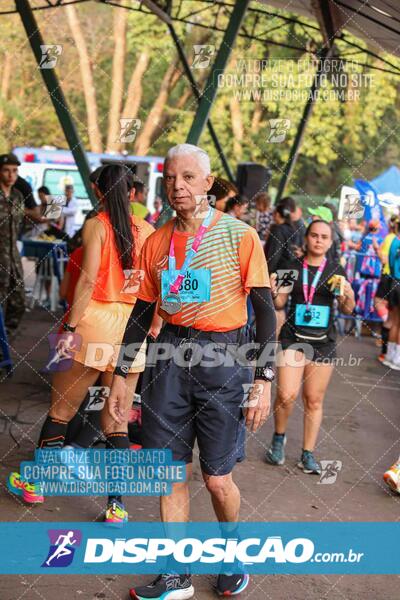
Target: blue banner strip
(258,548)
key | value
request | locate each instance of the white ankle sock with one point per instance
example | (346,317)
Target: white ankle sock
(391,349)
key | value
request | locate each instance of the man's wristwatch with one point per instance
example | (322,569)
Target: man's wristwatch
(265,373)
(68,327)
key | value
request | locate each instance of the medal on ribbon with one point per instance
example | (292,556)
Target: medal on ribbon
(171,303)
(309,294)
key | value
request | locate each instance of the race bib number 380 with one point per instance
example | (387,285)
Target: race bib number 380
(196,287)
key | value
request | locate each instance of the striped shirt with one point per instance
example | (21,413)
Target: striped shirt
(232,251)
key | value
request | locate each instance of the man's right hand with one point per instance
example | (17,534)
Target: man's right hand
(116,399)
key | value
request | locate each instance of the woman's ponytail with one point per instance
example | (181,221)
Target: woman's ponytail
(115,183)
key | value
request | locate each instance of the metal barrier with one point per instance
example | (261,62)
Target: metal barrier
(51,257)
(357,280)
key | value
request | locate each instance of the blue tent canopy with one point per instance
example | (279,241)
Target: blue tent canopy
(388,181)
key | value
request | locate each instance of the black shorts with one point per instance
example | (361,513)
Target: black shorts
(384,287)
(394,298)
(315,352)
(184,400)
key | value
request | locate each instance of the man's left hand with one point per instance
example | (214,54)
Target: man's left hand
(258,404)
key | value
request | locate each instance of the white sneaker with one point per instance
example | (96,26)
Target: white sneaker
(395,364)
(387,362)
(390,355)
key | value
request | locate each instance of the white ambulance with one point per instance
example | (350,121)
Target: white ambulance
(56,168)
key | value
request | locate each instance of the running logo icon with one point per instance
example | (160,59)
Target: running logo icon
(279,129)
(202,55)
(285,279)
(251,394)
(202,206)
(128,130)
(350,205)
(62,350)
(329,471)
(62,547)
(50,54)
(54,207)
(133,279)
(98,395)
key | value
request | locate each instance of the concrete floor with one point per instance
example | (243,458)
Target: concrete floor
(360,428)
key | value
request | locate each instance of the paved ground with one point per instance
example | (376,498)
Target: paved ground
(360,428)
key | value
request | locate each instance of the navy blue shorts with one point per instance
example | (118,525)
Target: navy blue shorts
(197,394)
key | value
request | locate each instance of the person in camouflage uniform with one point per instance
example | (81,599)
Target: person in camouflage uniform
(12,292)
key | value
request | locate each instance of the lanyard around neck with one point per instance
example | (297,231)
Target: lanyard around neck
(174,288)
(308,297)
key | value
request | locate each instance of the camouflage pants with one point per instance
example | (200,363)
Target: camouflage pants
(12,298)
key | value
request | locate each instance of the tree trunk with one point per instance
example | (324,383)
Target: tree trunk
(184,98)
(117,90)
(257,116)
(135,88)
(167,118)
(155,117)
(135,91)
(237,127)
(5,82)
(89,89)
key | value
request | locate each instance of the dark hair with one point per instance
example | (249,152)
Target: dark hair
(394,223)
(332,208)
(236,201)
(289,203)
(139,186)
(221,188)
(115,183)
(318,221)
(94,175)
(44,190)
(284,211)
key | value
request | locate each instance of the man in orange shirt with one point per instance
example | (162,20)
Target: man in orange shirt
(199,269)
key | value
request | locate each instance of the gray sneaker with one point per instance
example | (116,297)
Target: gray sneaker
(308,464)
(276,452)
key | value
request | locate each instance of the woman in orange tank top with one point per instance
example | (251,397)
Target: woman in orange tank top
(103,300)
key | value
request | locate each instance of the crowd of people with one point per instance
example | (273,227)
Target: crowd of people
(188,284)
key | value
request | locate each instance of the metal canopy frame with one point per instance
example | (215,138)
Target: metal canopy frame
(253,28)
(329,34)
(211,87)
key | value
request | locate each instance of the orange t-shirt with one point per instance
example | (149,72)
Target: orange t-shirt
(112,283)
(231,250)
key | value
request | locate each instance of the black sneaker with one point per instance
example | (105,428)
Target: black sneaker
(231,585)
(167,587)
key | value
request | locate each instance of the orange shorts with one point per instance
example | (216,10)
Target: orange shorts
(101,329)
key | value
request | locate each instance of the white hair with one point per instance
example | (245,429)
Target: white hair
(190,149)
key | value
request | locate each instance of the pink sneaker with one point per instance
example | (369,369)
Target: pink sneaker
(30,492)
